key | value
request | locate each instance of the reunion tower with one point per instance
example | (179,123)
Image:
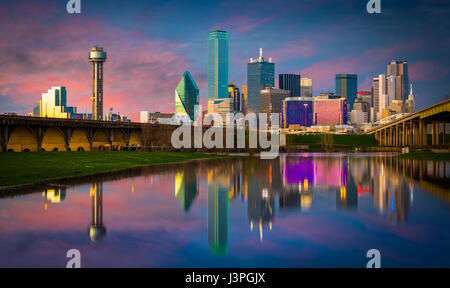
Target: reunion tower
(97,56)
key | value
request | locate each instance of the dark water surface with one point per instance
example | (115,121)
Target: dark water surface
(303,210)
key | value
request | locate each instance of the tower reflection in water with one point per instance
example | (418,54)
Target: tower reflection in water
(218,211)
(97,230)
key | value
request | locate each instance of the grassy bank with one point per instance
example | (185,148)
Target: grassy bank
(344,141)
(28,168)
(426,156)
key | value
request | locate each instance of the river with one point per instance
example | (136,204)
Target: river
(300,210)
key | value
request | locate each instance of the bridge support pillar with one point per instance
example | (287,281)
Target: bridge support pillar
(68,132)
(40,133)
(410,135)
(444,141)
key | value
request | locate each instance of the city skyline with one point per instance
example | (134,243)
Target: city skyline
(54,59)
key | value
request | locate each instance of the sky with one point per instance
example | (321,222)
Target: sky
(151,43)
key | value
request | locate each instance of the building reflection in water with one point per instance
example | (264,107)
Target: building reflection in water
(260,201)
(54,195)
(97,230)
(218,211)
(186,188)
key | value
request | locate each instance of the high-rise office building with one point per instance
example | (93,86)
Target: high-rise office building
(97,57)
(260,74)
(186,96)
(217,65)
(271,101)
(400,69)
(233,92)
(305,87)
(380,97)
(244,97)
(290,82)
(346,86)
(54,105)
(394,88)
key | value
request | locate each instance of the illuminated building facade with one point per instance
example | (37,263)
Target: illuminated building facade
(330,111)
(298,111)
(54,105)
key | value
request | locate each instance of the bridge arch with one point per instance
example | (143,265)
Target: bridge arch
(135,138)
(22,139)
(79,141)
(119,140)
(100,142)
(53,140)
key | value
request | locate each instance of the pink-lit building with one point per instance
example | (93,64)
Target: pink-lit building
(330,111)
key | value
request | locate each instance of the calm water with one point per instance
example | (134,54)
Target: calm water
(305,210)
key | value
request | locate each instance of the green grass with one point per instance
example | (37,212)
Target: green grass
(426,156)
(27,168)
(339,141)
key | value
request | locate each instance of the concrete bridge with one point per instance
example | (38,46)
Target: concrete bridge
(412,130)
(21,133)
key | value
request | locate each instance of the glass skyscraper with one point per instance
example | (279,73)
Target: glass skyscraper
(186,96)
(347,87)
(290,82)
(260,74)
(217,65)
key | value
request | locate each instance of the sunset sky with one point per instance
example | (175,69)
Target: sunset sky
(151,43)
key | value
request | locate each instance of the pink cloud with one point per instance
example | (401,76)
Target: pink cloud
(140,71)
(427,71)
(244,23)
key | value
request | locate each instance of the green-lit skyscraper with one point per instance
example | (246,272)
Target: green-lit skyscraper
(186,96)
(217,65)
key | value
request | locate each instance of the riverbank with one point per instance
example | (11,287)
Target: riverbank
(333,142)
(428,155)
(28,168)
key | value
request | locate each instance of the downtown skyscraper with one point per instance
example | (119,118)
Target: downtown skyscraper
(290,82)
(397,73)
(260,75)
(347,87)
(217,65)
